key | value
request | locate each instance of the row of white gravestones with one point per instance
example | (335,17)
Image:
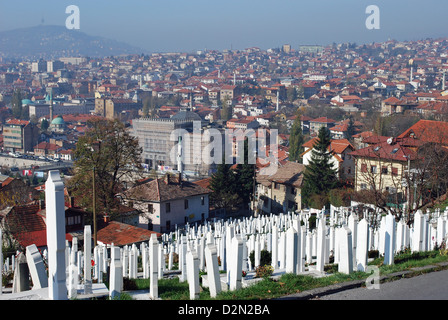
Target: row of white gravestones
(349,244)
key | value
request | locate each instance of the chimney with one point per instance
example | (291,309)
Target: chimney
(106,219)
(167,178)
(41,204)
(72,202)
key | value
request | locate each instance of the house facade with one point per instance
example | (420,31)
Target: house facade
(167,202)
(281,191)
(341,159)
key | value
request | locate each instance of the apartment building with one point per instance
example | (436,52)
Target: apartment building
(281,191)
(19,135)
(158,137)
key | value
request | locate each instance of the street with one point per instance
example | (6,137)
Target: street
(430,286)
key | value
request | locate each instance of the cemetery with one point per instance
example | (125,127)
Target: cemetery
(217,256)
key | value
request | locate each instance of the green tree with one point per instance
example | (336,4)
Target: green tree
(222,183)
(44,125)
(350,128)
(16,102)
(114,155)
(245,175)
(319,176)
(296,140)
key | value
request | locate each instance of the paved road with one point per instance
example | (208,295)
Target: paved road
(430,286)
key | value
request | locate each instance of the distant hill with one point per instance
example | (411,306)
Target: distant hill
(50,42)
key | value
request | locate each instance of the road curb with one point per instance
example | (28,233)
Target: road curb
(335,288)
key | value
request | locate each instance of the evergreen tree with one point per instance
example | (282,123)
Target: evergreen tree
(16,102)
(350,128)
(296,141)
(222,183)
(44,125)
(319,176)
(245,175)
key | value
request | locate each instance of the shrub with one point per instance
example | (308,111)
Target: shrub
(263,271)
(265,257)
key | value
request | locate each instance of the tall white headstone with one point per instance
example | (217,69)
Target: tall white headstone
(389,240)
(116,273)
(417,235)
(346,254)
(291,250)
(55,220)
(87,260)
(236,263)
(211,259)
(36,267)
(153,266)
(321,249)
(362,245)
(193,274)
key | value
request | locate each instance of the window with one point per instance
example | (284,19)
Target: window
(384,170)
(185,204)
(202,200)
(363,167)
(363,186)
(372,169)
(150,208)
(394,171)
(167,207)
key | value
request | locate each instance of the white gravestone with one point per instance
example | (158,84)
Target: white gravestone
(36,267)
(211,260)
(346,254)
(116,273)
(193,274)
(153,267)
(55,220)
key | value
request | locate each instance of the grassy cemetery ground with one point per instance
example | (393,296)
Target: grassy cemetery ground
(270,288)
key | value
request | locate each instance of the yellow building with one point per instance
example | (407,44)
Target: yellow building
(383,167)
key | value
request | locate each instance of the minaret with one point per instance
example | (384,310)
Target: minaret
(412,69)
(51,105)
(277,100)
(443,81)
(179,156)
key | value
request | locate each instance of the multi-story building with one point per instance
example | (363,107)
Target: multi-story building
(19,135)
(42,110)
(159,140)
(382,166)
(167,202)
(111,108)
(281,191)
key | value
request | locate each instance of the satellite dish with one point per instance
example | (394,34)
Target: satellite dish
(390,140)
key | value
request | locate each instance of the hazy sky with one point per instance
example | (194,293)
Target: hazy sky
(181,25)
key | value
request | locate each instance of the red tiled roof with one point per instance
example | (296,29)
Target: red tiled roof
(428,131)
(386,151)
(323,120)
(17,122)
(158,190)
(121,234)
(39,238)
(336,145)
